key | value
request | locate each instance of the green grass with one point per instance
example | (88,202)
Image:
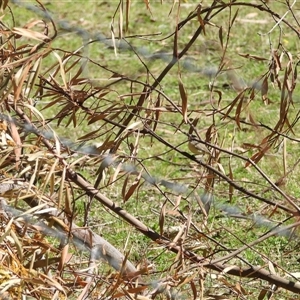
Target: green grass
(147,201)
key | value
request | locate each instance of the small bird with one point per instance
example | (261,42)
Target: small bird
(196,147)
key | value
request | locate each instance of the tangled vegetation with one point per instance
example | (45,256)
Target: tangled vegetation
(149,150)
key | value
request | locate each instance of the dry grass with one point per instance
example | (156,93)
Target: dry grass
(95,163)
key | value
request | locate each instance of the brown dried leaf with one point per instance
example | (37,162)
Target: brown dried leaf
(52,282)
(202,24)
(34,74)
(276,62)
(134,290)
(234,17)
(251,56)
(62,69)
(221,36)
(36,112)
(68,208)
(57,99)
(19,79)
(264,89)
(296,72)
(258,156)
(238,112)
(64,258)
(97,117)
(147,2)
(3,4)
(61,187)
(113,37)
(133,125)
(132,188)
(262,294)
(162,215)
(121,22)
(157,112)
(231,188)
(18,144)
(72,118)
(124,187)
(184,99)
(127,15)
(233,103)
(194,289)
(31,34)
(250,146)
(187,279)
(50,173)
(7,230)
(117,171)
(271,268)
(88,135)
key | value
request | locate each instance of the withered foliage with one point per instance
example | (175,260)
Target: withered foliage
(113,140)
